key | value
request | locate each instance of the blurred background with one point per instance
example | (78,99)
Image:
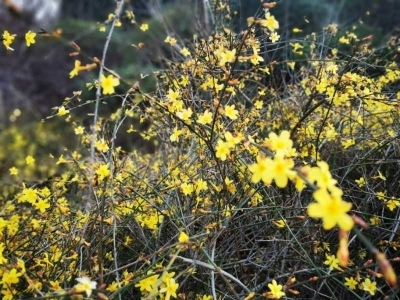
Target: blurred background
(36,79)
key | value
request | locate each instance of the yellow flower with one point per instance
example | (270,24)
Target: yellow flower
(227,56)
(144,27)
(291,64)
(321,175)
(392,204)
(173,95)
(351,282)
(170,289)
(112,287)
(344,40)
(360,182)
(348,143)
(282,171)
(28,195)
(103,172)
(30,160)
(10,277)
(262,170)
(79,130)
(381,196)
(258,104)
(231,140)
(61,160)
(130,15)
(200,185)
(331,209)
(77,68)
(185,115)
(30,38)
(8,293)
(369,286)
(42,205)
(55,285)
(85,285)
(8,39)
(170,40)
(299,183)
(185,52)
(276,290)
(3,260)
(175,135)
(222,150)
(282,144)
(380,176)
(231,112)
(205,118)
(187,188)
(183,237)
(332,262)
(13,171)
(62,111)
(270,22)
(21,265)
(146,285)
(296,48)
(108,83)
(280,223)
(375,220)
(274,37)
(101,145)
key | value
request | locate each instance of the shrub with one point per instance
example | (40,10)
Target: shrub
(252,153)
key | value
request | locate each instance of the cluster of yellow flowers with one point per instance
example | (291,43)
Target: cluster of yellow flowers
(9,38)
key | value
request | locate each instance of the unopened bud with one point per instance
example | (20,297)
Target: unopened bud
(75,46)
(249,296)
(101,296)
(386,269)
(250,21)
(368,262)
(396,259)
(294,292)
(368,38)
(89,67)
(96,60)
(376,274)
(343,251)
(360,222)
(269,5)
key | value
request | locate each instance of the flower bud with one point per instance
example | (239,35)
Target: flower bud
(343,251)
(386,269)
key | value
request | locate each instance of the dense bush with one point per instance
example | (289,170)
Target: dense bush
(252,153)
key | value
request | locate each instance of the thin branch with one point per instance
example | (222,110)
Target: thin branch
(212,268)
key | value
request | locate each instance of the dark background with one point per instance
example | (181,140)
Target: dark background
(36,78)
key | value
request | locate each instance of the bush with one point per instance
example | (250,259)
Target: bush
(252,154)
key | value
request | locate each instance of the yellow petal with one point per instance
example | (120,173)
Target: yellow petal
(314,210)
